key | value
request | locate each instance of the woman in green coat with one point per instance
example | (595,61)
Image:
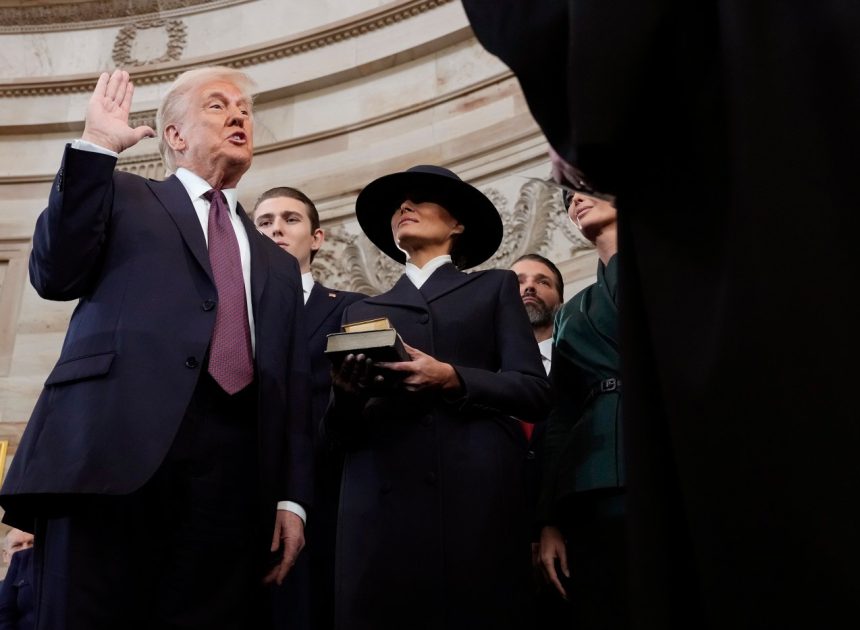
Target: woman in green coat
(582,507)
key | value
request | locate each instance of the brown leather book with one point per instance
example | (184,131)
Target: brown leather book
(381,344)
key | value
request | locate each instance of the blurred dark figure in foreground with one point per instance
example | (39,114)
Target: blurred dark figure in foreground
(728,131)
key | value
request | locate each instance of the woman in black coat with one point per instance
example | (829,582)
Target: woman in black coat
(431,530)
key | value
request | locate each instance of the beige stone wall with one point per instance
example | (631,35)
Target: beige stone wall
(348,91)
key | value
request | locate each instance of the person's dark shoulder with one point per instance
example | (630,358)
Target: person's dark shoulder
(498,275)
(282,263)
(20,566)
(344,297)
(493,277)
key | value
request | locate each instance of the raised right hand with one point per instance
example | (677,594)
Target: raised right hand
(106,122)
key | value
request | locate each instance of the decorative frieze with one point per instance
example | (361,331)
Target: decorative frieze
(310,40)
(175,31)
(98,13)
(531,224)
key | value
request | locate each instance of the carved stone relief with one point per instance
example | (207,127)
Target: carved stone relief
(175,31)
(536,223)
(67,16)
(318,38)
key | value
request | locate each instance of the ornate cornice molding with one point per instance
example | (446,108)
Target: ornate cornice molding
(150,165)
(99,13)
(175,30)
(364,23)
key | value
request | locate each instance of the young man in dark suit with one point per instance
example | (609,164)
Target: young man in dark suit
(291,220)
(180,403)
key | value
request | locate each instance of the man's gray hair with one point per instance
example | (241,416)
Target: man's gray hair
(174,106)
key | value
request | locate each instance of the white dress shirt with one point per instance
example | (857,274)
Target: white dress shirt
(545,348)
(307,285)
(196,187)
(419,275)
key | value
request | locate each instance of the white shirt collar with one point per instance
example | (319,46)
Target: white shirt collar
(307,284)
(545,348)
(196,187)
(419,276)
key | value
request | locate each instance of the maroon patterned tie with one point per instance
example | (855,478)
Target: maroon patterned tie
(230,362)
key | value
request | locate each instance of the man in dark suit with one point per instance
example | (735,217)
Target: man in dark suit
(16,593)
(15,541)
(179,404)
(542,293)
(728,130)
(290,218)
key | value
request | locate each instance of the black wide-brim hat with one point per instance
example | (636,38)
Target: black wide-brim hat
(482,225)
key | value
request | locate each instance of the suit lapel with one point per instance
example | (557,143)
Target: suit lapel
(174,198)
(444,280)
(321,303)
(403,294)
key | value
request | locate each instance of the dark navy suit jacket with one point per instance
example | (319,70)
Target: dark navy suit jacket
(133,253)
(323,312)
(17,605)
(306,598)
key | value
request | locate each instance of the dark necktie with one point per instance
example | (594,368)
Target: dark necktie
(230,362)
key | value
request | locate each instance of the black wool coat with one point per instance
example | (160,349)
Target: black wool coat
(432,530)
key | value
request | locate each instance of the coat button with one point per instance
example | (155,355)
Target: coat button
(430,478)
(426,421)
(530,455)
(191,363)
(385,488)
(424,319)
(208,305)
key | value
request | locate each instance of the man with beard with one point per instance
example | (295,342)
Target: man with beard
(542,292)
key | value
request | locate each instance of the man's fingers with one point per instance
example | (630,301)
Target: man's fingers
(288,558)
(281,571)
(101,85)
(274,576)
(142,132)
(551,575)
(276,538)
(125,101)
(292,547)
(562,559)
(291,552)
(116,81)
